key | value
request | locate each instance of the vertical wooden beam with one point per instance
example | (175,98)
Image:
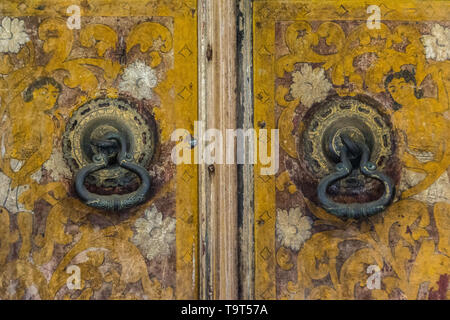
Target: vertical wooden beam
(218,182)
(245,171)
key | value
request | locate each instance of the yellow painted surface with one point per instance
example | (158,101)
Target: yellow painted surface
(414,260)
(30,247)
(31,130)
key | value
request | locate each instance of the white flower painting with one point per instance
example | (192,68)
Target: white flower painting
(437,45)
(138,80)
(154,235)
(12,35)
(310,85)
(293,228)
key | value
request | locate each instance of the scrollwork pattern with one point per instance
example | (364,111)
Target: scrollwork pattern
(106,256)
(409,249)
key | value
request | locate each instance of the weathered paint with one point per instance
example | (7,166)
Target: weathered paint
(51,229)
(301,251)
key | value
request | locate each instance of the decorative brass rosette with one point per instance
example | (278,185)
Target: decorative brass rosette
(94,119)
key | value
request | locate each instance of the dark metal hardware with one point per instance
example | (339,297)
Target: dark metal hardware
(87,127)
(112,150)
(351,152)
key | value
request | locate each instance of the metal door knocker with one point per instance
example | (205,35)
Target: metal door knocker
(346,144)
(351,150)
(108,144)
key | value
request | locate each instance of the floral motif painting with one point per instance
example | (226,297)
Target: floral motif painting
(52,246)
(308,53)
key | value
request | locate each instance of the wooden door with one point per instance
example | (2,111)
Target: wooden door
(58,59)
(307,57)
(292,71)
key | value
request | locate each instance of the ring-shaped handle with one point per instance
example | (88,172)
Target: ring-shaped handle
(113,202)
(343,169)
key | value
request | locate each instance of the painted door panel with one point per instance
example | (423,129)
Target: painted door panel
(306,53)
(53,62)
(293,57)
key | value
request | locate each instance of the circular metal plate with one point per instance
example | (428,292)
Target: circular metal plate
(324,123)
(91,121)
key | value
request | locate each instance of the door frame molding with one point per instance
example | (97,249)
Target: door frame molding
(218,205)
(245,190)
